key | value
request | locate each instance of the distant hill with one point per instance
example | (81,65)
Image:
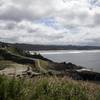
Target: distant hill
(37,47)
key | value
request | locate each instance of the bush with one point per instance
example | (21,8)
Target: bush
(47,88)
(12,89)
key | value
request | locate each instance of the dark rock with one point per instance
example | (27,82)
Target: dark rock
(89,75)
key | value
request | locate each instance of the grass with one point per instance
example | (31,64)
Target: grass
(4,64)
(47,88)
(42,87)
(15,50)
(44,64)
(9,64)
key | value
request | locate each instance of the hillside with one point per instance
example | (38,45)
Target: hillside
(36,47)
(36,62)
(32,77)
(38,65)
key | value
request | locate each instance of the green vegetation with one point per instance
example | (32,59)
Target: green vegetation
(44,64)
(9,64)
(13,50)
(28,78)
(4,64)
(47,88)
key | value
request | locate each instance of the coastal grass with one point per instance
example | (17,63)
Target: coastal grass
(5,64)
(44,64)
(10,64)
(47,88)
(41,65)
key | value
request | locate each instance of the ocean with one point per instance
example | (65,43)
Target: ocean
(86,58)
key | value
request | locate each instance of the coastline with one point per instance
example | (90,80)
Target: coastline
(63,51)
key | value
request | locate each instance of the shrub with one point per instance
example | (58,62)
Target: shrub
(47,88)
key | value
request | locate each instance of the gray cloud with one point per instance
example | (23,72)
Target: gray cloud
(15,14)
(97,19)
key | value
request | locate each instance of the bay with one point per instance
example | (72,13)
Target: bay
(86,58)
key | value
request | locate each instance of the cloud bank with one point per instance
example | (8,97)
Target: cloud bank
(61,22)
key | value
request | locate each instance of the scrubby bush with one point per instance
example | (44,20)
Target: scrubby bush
(47,88)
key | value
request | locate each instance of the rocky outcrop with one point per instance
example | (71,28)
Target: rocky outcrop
(89,75)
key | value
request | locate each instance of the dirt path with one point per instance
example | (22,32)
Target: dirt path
(19,69)
(41,68)
(14,70)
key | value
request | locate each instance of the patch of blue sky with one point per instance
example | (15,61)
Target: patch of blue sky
(92,2)
(50,22)
(95,3)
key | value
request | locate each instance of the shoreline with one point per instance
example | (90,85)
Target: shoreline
(45,52)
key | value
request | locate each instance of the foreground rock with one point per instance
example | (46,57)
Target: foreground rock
(89,75)
(77,72)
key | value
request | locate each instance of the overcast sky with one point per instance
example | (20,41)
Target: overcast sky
(62,22)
